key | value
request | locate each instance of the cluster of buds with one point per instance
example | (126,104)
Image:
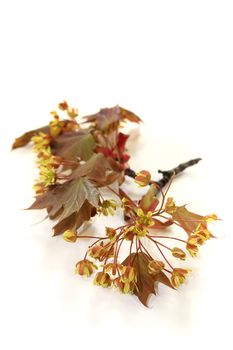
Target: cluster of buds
(71,112)
(198,238)
(41,142)
(111,234)
(144,219)
(135,230)
(47,168)
(47,176)
(47,162)
(58,126)
(107,207)
(101,251)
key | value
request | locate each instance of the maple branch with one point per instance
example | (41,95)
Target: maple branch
(167,174)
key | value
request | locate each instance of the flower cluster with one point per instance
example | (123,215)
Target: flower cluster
(47,162)
(145,219)
(75,161)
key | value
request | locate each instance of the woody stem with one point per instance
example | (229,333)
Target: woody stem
(167,174)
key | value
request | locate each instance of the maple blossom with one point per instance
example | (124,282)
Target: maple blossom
(75,160)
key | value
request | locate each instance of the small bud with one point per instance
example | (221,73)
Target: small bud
(143,178)
(47,175)
(41,141)
(70,236)
(155,267)
(85,268)
(102,279)
(55,126)
(192,249)
(178,276)
(111,233)
(63,106)
(72,112)
(178,253)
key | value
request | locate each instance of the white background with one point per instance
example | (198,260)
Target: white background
(171,63)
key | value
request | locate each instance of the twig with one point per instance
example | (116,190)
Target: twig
(167,174)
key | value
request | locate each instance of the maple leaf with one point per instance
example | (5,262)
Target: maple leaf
(106,117)
(99,169)
(146,283)
(75,220)
(24,139)
(74,144)
(132,117)
(189,221)
(61,201)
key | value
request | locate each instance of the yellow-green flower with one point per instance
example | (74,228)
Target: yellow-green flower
(85,268)
(145,219)
(70,236)
(102,279)
(178,276)
(155,267)
(178,253)
(143,178)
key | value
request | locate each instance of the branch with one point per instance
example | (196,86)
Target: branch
(167,174)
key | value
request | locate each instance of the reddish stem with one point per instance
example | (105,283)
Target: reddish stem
(161,253)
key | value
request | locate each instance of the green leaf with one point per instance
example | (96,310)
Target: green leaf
(73,145)
(62,201)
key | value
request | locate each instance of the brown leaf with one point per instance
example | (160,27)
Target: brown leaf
(74,144)
(75,220)
(107,117)
(146,283)
(62,201)
(188,220)
(126,114)
(26,137)
(98,169)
